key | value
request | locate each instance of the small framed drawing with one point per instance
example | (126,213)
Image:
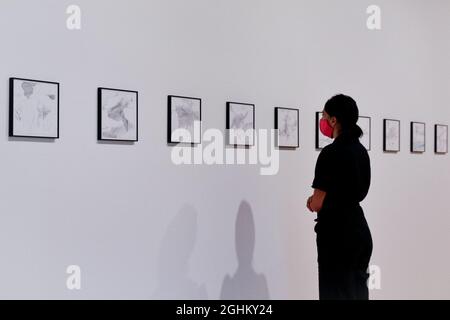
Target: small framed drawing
(417,137)
(287,126)
(441,139)
(117,115)
(240,124)
(184,120)
(391,135)
(321,140)
(365,124)
(33,108)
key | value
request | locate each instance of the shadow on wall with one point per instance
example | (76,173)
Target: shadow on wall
(245,284)
(173,263)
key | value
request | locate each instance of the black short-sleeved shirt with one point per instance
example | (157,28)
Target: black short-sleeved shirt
(343,172)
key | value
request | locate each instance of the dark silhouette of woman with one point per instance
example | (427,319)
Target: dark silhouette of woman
(341,182)
(246,283)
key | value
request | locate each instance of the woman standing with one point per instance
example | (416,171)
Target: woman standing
(341,182)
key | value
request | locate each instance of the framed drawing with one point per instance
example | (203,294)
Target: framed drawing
(441,139)
(321,140)
(287,126)
(417,137)
(117,115)
(240,124)
(365,124)
(33,108)
(391,135)
(184,120)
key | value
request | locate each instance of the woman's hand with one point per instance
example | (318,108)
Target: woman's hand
(308,204)
(315,202)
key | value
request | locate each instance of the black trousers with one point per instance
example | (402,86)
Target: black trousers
(344,249)
(343,284)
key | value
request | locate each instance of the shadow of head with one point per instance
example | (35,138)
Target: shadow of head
(176,250)
(245,234)
(178,243)
(245,283)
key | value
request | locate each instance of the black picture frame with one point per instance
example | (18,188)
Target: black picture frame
(11,130)
(170,141)
(385,147)
(436,126)
(228,123)
(276,126)
(413,149)
(100,136)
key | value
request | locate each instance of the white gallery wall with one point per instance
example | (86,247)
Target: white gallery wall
(141,227)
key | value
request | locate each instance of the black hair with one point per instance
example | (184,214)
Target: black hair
(345,109)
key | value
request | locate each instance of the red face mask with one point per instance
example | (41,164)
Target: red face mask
(326,129)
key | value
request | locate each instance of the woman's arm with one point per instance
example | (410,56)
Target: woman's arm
(315,202)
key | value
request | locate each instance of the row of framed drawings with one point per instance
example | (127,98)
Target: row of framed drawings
(34,113)
(391,135)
